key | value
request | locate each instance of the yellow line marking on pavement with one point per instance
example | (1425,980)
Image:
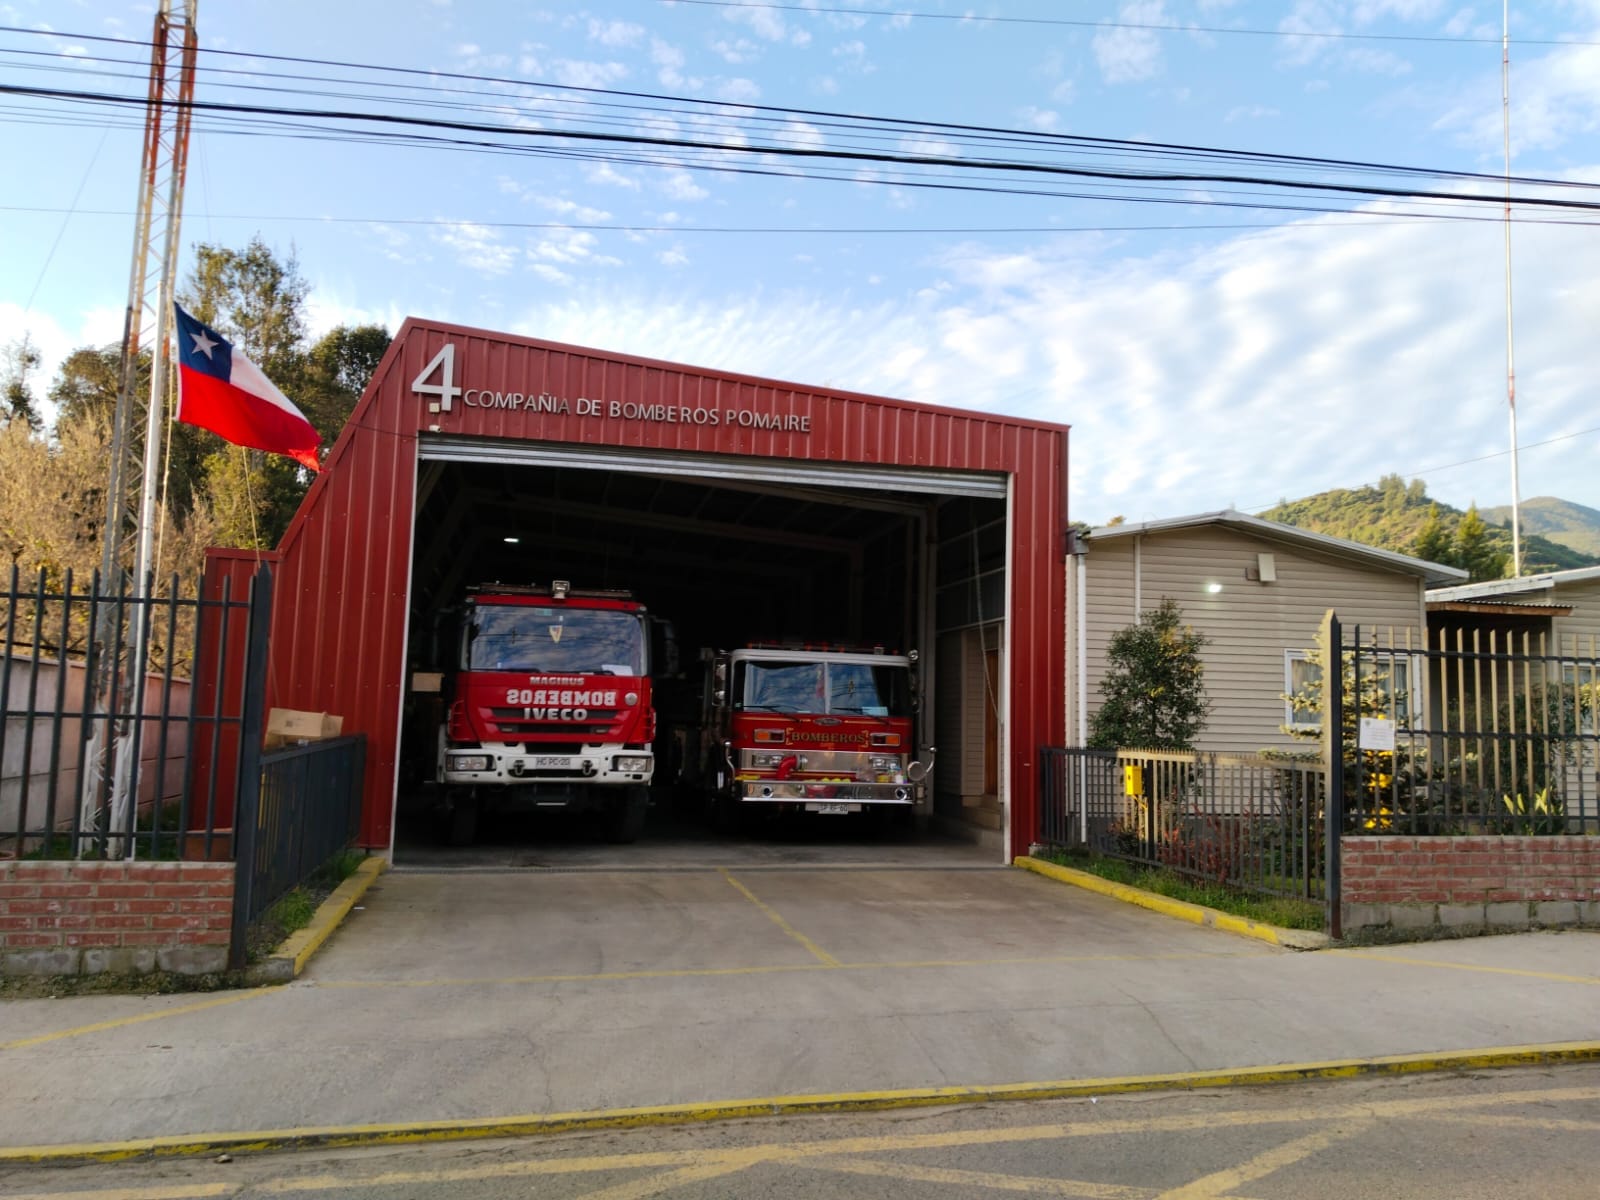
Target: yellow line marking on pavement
(1220,1183)
(776,918)
(1549,976)
(654,1185)
(1552,1124)
(121,1022)
(776,969)
(917,1173)
(173,1191)
(684,1114)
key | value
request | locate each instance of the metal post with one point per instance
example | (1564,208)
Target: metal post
(1333,767)
(247,792)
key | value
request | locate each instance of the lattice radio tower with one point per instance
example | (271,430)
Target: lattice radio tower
(134,484)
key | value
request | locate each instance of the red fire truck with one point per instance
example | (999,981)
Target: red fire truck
(547,705)
(824,730)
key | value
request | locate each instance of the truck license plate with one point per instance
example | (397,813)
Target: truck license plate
(551,762)
(831,809)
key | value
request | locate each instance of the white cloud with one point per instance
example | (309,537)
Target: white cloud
(477,247)
(1250,112)
(573,72)
(738,91)
(675,257)
(668,61)
(680,185)
(1554,98)
(1277,363)
(97,326)
(615,33)
(605,175)
(1128,55)
(1039,118)
(852,57)
(736,50)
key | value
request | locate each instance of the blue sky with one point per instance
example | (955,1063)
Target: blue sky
(1206,354)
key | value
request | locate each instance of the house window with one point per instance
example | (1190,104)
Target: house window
(1393,672)
(1300,675)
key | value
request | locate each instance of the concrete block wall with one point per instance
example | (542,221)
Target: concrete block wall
(1469,883)
(70,918)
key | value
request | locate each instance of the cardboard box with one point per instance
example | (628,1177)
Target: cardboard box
(427,681)
(290,727)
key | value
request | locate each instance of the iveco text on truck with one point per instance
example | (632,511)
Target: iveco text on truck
(547,705)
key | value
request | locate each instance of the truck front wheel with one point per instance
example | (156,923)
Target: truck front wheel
(625,820)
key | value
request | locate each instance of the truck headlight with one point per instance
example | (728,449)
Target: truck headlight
(632,762)
(470,762)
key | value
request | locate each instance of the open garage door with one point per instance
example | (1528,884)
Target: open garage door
(732,551)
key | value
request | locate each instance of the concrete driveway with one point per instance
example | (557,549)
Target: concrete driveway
(466,996)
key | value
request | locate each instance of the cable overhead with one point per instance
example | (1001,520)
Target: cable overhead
(808,153)
(971,18)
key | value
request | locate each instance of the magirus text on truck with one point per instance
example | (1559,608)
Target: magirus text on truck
(546,705)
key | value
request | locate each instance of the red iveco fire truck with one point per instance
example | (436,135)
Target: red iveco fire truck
(808,729)
(547,704)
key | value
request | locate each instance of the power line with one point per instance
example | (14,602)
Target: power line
(807,153)
(971,18)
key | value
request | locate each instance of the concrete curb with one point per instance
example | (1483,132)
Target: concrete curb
(1195,914)
(539,1124)
(290,959)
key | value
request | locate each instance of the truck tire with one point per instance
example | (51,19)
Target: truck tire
(625,821)
(463,823)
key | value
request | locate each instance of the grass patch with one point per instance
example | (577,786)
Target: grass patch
(1286,912)
(294,909)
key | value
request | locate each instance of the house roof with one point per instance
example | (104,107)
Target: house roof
(1498,608)
(1520,586)
(1383,560)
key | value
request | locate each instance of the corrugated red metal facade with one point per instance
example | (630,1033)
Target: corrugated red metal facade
(339,621)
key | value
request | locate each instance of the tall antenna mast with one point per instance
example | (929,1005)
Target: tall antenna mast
(140,419)
(1511,357)
(136,435)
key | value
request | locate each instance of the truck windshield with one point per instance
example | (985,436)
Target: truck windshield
(846,689)
(555,641)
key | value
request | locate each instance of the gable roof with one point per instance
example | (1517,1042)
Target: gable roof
(1381,560)
(1521,585)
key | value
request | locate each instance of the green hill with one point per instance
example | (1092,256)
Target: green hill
(1573,525)
(1402,517)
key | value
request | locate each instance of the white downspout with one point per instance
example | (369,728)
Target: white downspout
(1083,693)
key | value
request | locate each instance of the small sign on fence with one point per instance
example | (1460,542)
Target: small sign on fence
(1376,733)
(1132,780)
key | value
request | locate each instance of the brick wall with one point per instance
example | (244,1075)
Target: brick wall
(1465,882)
(67,918)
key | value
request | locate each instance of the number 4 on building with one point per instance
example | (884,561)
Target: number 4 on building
(445,363)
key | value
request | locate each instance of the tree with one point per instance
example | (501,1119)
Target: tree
(21,360)
(1475,551)
(1432,542)
(1153,694)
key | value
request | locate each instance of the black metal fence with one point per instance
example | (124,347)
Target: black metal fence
(1470,731)
(306,812)
(1251,823)
(101,717)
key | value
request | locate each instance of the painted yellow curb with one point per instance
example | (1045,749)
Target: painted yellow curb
(289,959)
(1195,914)
(536,1124)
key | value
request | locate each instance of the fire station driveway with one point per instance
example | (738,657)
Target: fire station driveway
(472,995)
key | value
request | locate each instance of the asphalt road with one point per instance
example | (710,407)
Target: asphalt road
(1498,1135)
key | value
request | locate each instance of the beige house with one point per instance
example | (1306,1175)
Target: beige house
(1257,590)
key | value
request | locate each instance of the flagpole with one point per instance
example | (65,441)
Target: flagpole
(1511,358)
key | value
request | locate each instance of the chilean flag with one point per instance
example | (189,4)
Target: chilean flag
(221,390)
